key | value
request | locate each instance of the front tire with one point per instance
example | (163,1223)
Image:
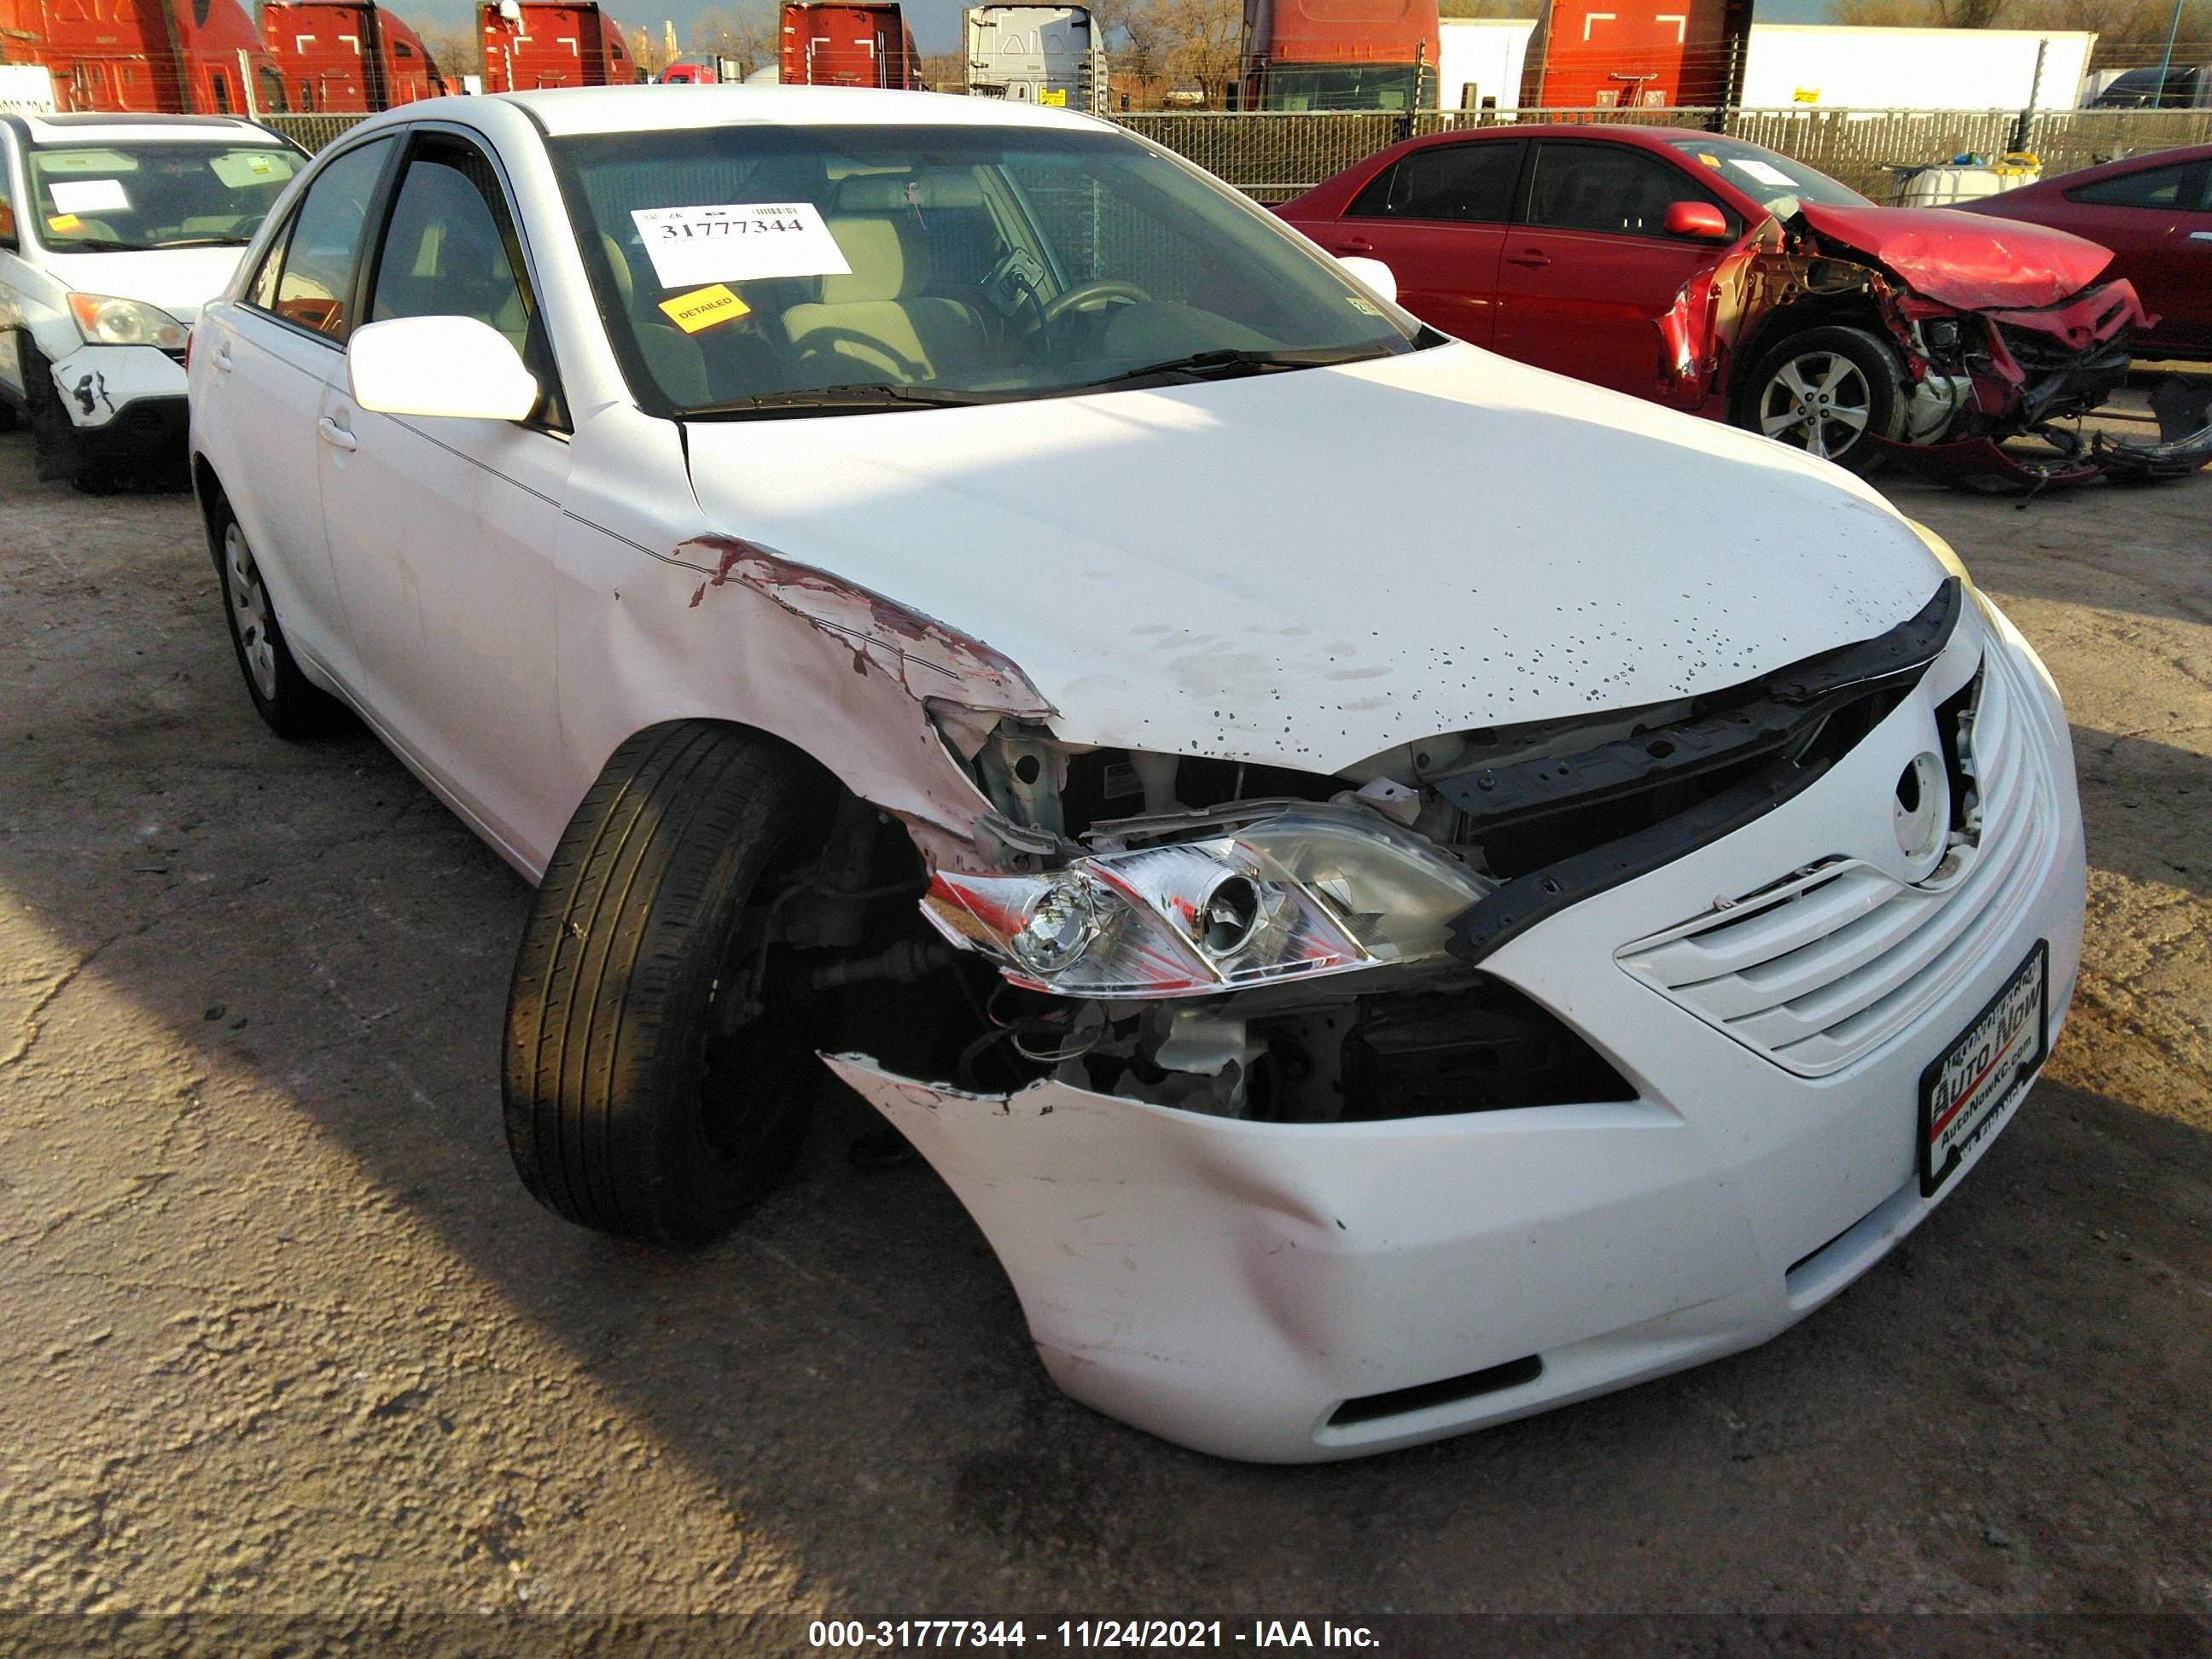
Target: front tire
(1828,392)
(649,1093)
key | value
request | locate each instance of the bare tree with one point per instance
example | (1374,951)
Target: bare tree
(751,31)
(456,51)
(1198,43)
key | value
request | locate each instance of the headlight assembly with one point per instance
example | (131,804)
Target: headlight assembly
(106,320)
(1308,891)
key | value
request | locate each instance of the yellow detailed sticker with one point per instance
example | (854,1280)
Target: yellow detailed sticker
(1710,160)
(703,307)
(64,222)
(1055,96)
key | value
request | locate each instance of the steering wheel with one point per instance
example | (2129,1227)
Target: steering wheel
(1092,296)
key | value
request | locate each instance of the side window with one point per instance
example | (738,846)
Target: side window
(2155,187)
(315,286)
(1472,182)
(449,250)
(7,200)
(1606,187)
(261,291)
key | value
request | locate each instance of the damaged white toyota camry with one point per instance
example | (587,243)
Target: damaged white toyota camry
(1401,890)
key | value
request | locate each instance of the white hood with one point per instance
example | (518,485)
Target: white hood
(1305,569)
(179,280)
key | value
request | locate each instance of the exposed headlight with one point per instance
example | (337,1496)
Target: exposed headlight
(1308,891)
(106,320)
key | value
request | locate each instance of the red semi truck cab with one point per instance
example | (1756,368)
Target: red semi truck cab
(347,56)
(1339,54)
(849,46)
(1618,54)
(529,44)
(149,56)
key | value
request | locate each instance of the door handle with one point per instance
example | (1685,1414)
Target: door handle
(334,434)
(2200,235)
(1535,257)
(1356,244)
(222,358)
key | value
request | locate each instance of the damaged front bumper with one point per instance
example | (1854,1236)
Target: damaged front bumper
(1292,1292)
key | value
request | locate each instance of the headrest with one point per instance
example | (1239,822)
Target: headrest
(617,264)
(886,192)
(889,261)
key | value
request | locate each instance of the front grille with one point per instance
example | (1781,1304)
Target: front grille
(1825,966)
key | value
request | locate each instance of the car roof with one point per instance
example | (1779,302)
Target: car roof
(565,110)
(123,129)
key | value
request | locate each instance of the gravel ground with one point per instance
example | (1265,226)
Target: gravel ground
(280,1332)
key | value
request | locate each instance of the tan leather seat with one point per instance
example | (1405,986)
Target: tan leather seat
(877,324)
(673,356)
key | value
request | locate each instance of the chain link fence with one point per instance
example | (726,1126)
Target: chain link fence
(1273,157)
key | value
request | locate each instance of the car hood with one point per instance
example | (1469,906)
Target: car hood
(179,280)
(1306,569)
(1963,260)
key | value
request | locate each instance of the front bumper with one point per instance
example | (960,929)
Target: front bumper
(124,401)
(1294,1292)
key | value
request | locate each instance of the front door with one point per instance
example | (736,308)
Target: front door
(443,530)
(1583,277)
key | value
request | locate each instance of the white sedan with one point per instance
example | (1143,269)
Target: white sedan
(1401,890)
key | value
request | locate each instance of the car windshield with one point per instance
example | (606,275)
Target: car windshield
(100,198)
(746,271)
(1775,182)
(1346,86)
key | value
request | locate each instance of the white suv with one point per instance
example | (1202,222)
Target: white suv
(114,230)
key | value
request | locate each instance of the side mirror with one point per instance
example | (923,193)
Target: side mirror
(450,366)
(1377,275)
(1700,219)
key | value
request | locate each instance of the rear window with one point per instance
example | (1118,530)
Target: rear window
(106,198)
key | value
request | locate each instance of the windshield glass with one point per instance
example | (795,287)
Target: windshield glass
(948,263)
(105,198)
(1775,182)
(1346,86)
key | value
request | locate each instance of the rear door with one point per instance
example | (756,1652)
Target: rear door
(259,371)
(1590,266)
(2157,222)
(443,531)
(1437,216)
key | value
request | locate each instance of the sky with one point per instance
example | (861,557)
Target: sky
(936,23)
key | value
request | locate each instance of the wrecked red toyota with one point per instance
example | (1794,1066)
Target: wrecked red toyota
(1783,302)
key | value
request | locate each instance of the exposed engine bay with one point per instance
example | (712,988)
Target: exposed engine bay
(1258,942)
(1986,356)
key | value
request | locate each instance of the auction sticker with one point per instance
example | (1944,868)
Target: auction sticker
(703,307)
(90,195)
(742,241)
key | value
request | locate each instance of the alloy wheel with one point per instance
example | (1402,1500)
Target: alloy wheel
(249,609)
(1819,403)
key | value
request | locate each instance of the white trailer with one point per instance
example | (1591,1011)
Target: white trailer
(26,89)
(1038,55)
(1837,67)
(1478,61)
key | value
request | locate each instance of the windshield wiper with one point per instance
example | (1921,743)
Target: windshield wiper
(1226,364)
(839,399)
(205,241)
(98,244)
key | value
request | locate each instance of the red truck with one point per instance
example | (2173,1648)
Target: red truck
(849,45)
(528,44)
(145,56)
(1613,54)
(347,56)
(1339,54)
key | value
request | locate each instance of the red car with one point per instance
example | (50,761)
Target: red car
(2154,212)
(1715,275)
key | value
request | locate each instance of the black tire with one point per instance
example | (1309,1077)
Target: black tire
(57,454)
(643,1097)
(1862,379)
(293,707)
